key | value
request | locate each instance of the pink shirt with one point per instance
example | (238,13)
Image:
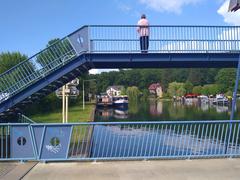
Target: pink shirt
(143,31)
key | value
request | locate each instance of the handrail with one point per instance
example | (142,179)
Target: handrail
(41,64)
(98,25)
(49,47)
(139,122)
(25,119)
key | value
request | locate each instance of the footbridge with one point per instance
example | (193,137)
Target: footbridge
(115,46)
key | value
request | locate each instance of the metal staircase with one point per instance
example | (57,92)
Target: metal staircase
(43,73)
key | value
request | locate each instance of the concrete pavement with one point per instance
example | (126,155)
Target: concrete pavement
(209,169)
(14,170)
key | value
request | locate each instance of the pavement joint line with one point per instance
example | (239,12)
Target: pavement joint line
(28,171)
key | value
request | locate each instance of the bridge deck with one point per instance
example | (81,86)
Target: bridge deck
(163,60)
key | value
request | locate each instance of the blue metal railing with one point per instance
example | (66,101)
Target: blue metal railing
(167,39)
(24,119)
(120,140)
(42,64)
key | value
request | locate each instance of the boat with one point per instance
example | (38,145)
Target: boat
(190,99)
(104,100)
(220,100)
(120,100)
(203,99)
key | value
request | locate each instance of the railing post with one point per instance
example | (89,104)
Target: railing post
(235,90)
(89,39)
(233,105)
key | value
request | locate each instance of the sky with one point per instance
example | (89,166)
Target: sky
(27,25)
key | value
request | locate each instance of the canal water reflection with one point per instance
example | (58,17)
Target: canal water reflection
(164,140)
(163,110)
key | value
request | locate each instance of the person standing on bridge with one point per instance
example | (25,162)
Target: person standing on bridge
(143,31)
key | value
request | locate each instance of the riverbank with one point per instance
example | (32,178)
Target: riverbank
(76,114)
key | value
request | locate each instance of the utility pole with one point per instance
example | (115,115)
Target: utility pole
(83,97)
(66,120)
(63,104)
(67,91)
(84,91)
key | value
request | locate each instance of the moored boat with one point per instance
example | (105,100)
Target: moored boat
(220,100)
(203,99)
(120,100)
(104,100)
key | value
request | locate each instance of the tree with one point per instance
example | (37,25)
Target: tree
(210,89)
(188,86)
(123,91)
(176,89)
(57,52)
(133,93)
(226,78)
(197,89)
(8,60)
(17,78)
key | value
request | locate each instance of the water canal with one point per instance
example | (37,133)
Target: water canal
(164,140)
(164,110)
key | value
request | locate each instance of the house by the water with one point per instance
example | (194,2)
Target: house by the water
(156,89)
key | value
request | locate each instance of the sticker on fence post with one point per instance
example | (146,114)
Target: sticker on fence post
(79,40)
(21,143)
(55,142)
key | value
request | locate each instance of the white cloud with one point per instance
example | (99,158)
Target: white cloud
(124,7)
(98,71)
(229,17)
(174,6)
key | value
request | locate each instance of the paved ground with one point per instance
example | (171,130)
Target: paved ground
(216,169)
(6,167)
(13,171)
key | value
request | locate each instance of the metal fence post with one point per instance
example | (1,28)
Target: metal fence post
(233,105)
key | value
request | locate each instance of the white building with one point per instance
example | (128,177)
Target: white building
(114,90)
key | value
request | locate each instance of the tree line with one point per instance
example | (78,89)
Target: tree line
(173,81)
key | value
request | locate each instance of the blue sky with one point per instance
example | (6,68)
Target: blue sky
(26,25)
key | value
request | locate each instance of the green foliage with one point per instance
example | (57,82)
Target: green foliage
(133,93)
(8,60)
(76,114)
(229,93)
(142,78)
(226,78)
(124,91)
(48,104)
(58,52)
(197,89)
(188,86)
(201,76)
(176,89)
(210,89)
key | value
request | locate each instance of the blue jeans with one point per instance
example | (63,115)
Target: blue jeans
(144,43)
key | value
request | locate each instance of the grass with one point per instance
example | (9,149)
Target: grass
(75,114)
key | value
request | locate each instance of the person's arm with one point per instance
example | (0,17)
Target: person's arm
(138,28)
